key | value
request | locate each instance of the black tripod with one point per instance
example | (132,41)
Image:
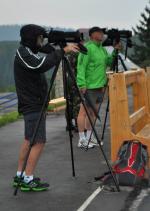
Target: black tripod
(66,72)
(114,67)
(66,94)
(68,109)
(43,110)
(70,73)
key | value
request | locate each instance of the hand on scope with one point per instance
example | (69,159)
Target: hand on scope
(71,48)
(118,46)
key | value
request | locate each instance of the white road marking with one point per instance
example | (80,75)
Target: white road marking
(90,199)
(136,203)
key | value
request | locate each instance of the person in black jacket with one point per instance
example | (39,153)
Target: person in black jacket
(31,87)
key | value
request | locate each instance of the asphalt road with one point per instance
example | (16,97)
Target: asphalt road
(66,193)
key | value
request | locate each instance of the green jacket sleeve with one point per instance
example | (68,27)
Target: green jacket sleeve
(81,69)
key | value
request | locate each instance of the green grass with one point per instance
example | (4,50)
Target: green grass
(13,116)
(8,89)
(7,118)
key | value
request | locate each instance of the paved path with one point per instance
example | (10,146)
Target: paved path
(66,193)
(8,102)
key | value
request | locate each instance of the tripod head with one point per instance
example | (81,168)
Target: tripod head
(115,36)
(115,63)
(61,38)
(114,66)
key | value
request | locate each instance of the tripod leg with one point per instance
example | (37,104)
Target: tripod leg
(122,62)
(104,125)
(69,119)
(69,123)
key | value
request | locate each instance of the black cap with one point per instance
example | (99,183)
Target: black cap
(95,29)
(32,30)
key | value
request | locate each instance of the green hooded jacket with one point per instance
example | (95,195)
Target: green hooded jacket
(91,68)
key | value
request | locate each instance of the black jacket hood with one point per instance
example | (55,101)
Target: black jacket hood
(29,34)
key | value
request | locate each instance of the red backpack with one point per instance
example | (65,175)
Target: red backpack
(131,163)
(129,168)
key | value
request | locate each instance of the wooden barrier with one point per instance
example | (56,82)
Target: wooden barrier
(129,123)
(58,104)
(148,84)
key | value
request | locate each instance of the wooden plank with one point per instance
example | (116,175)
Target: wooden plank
(145,132)
(130,80)
(113,116)
(131,76)
(57,100)
(122,105)
(137,115)
(141,99)
(131,73)
(148,85)
(119,114)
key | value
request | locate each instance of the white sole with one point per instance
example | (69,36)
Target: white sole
(85,146)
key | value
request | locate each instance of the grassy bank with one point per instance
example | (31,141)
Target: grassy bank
(13,116)
(7,118)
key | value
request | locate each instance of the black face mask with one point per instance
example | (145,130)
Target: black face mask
(29,34)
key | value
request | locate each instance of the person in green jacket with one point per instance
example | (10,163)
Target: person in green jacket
(91,79)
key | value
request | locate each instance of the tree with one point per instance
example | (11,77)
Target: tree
(141,48)
(7,53)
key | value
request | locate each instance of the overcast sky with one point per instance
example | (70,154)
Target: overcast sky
(121,14)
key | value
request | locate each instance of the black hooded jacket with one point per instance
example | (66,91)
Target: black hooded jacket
(31,85)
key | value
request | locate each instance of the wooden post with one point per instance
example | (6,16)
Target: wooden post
(119,115)
(148,85)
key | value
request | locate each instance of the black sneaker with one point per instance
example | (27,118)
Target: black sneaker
(17,180)
(34,185)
